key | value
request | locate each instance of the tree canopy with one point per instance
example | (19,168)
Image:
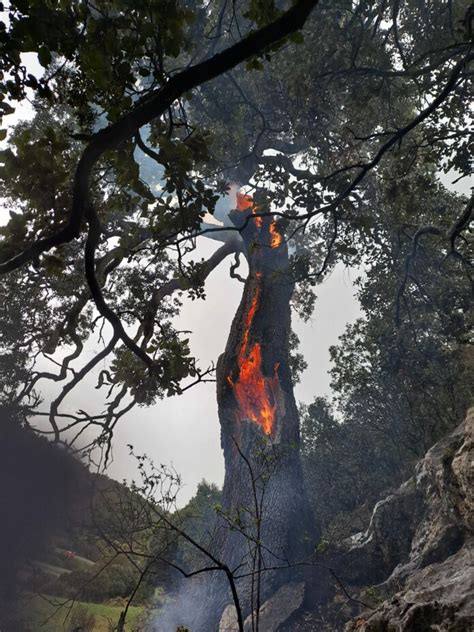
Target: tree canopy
(337,116)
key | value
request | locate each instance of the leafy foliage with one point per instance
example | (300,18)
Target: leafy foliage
(402,375)
(144,114)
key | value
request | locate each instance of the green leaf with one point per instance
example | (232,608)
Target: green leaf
(254,64)
(297,37)
(44,56)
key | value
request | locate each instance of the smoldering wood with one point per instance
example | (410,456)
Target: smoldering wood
(264,520)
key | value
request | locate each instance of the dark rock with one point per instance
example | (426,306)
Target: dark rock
(274,613)
(228,622)
(279,608)
(438,597)
(422,538)
(414,565)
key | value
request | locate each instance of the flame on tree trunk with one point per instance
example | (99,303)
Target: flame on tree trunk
(265,519)
(263,495)
(256,394)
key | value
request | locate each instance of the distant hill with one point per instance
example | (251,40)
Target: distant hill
(47,528)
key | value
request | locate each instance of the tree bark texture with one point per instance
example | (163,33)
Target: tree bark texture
(264,521)
(266,515)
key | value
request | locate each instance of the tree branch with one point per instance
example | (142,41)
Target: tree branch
(158,102)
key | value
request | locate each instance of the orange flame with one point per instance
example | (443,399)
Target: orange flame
(255,393)
(244,202)
(249,320)
(276,237)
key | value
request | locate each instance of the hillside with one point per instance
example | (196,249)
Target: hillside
(65,555)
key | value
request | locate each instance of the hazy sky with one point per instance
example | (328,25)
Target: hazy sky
(185,430)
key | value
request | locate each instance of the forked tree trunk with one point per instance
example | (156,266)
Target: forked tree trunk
(264,504)
(265,521)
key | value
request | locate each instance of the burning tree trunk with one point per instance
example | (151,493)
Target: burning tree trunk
(264,520)
(264,504)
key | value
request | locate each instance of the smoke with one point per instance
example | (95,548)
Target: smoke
(221,218)
(225,204)
(186,607)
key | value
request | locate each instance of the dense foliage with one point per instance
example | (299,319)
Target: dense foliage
(402,374)
(338,117)
(349,107)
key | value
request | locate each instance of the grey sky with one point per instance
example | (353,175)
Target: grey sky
(185,430)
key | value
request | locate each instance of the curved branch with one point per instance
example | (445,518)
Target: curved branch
(460,224)
(424,230)
(158,102)
(453,233)
(398,136)
(75,380)
(233,273)
(182,283)
(96,290)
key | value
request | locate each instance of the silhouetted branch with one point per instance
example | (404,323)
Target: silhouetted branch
(156,104)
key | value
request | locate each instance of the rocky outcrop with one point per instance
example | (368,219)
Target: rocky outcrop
(228,622)
(411,571)
(419,546)
(279,608)
(438,597)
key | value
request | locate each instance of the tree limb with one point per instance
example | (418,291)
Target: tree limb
(158,102)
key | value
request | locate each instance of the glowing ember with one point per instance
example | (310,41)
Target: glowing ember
(246,201)
(255,393)
(276,237)
(248,321)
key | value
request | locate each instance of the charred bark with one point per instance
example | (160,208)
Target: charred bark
(265,511)
(264,524)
